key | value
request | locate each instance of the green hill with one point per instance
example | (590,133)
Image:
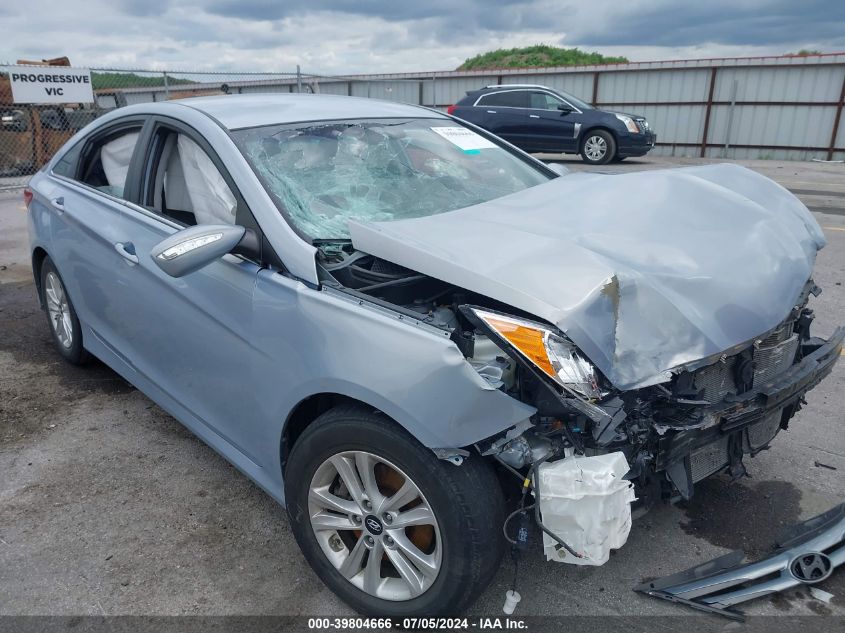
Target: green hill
(539,55)
(132,80)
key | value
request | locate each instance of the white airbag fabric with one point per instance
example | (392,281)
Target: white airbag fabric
(211,198)
(115,156)
(587,503)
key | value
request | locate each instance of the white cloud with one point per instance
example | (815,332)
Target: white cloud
(159,34)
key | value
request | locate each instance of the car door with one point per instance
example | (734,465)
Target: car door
(503,115)
(186,339)
(550,128)
(88,198)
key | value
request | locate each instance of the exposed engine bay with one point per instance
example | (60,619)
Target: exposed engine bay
(705,419)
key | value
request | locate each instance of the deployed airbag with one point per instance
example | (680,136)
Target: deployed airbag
(115,156)
(211,198)
(586,502)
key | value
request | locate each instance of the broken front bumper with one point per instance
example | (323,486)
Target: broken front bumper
(737,423)
(806,554)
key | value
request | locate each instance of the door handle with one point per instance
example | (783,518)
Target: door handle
(127,251)
(491,112)
(534,116)
(58,203)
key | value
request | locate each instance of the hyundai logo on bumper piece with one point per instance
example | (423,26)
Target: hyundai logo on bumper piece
(810,568)
(373,525)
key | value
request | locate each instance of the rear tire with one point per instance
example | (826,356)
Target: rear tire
(598,147)
(454,547)
(61,316)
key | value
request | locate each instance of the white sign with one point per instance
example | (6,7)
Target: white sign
(42,84)
(464,138)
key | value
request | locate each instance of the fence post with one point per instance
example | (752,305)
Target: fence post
(707,111)
(166,85)
(730,119)
(298,79)
(836,120)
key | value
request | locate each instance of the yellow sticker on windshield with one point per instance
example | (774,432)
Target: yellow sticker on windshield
(464,138)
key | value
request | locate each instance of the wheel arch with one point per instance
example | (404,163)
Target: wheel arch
(307,411)
(38,257)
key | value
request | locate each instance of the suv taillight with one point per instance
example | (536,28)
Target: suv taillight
(27,196)
(451,109)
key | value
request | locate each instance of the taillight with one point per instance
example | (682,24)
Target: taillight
(451,109)
(27,196)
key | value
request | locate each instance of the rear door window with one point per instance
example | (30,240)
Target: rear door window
(105,163)
(507,99)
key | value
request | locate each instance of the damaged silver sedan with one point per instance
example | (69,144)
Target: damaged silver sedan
(391,320)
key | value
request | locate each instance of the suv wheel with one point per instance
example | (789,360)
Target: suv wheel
(389,527)
(598,147)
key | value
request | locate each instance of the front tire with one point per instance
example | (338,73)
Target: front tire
(598,147)
(61,316)
(390,528)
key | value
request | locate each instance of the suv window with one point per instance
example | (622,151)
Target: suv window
(543,101)
(187,186)
(105,163)
(507,98)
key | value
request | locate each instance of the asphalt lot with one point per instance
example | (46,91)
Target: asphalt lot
(109,506)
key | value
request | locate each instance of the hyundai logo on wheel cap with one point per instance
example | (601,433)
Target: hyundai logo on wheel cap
(812,567)
(373,525)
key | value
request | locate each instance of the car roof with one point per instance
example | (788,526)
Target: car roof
(240,111)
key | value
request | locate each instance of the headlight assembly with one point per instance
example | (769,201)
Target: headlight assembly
(629,123)
(546,350)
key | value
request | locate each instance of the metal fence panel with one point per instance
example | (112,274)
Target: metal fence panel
(807,83)
(653,86)
(767,125)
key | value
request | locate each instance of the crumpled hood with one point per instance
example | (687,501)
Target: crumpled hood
(643,271)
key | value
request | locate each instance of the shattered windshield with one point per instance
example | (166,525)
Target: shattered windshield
(324,174)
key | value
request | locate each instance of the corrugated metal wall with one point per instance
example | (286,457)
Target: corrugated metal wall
(779,107)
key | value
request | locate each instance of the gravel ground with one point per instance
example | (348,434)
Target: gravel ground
(109,506)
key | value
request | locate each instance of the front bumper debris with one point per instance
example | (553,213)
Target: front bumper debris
(807,553)
(744,424)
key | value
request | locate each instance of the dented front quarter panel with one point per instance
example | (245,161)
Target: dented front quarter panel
(336,344)
(645,272)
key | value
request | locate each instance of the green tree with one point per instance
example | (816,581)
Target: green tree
(539,55)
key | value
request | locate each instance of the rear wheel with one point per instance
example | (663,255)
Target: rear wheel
(64,324)
(598,147)
(389,527)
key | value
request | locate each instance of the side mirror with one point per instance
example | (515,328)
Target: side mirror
(565,109)
(190,249)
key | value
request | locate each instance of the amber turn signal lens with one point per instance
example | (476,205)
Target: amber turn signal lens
(528,340)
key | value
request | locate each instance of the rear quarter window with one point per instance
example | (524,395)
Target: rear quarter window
(508,99)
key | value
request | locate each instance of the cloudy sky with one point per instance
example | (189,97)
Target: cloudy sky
(358,36)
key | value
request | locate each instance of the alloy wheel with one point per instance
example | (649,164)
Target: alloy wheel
(595,147)
(374,525)
(59,310)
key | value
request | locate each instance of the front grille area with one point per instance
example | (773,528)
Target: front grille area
(772,356)
(764,431)
(706,460)
(773,360)
(717,380)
